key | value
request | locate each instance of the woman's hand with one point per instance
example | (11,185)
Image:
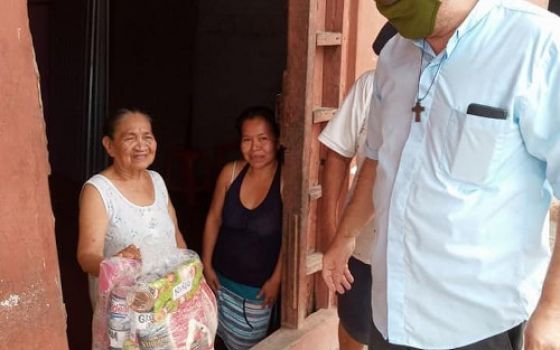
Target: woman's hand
(130,252)
(211,278)
(269,291)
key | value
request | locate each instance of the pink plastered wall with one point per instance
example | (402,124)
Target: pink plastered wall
(32,314)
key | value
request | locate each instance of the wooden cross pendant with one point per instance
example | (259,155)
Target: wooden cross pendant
(418,109)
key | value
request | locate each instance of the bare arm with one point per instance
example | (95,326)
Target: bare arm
(270,289)
(336,169)
(277,274)
(93,224)
(542,328)
(213,223)
(358,212)
(551,290)
(178,235)
(360,209)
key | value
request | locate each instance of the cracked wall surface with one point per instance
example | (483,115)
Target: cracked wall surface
(32,314)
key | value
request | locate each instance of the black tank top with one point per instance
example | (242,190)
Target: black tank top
(249,241)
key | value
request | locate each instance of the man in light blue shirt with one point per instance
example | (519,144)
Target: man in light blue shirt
(464,157)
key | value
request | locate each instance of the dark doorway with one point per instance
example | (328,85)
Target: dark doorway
(554,6)
(192,65)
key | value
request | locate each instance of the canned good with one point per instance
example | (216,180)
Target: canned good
(140,322)
(155,337)
(141,298)
(119,318)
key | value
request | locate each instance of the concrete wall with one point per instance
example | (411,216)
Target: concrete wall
(370,22)
(32,314)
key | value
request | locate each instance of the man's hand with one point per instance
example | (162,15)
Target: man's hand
(358,212)
(543,329)
(335,264)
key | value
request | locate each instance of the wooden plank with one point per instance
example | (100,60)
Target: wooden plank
(294,261)
(314,263)
(334,86)
(329,38)
(315,192)
(323,114)
(319,331)
(296,121)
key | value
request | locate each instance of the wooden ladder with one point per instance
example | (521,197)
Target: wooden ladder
(319,69)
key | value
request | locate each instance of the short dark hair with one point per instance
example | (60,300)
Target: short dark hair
(110,123)
(261,112)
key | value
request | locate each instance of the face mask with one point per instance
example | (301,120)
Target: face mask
(413,19)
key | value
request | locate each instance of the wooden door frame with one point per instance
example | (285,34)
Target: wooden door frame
(314,83)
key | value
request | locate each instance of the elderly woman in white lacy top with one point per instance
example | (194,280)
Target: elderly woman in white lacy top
(125,209)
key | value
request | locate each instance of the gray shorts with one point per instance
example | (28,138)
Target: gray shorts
(509,340)
(354,306)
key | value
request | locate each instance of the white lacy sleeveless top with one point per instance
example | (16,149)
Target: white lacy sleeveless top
(150,227)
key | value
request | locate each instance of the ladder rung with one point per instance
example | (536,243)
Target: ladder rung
(313,263)
(329,38)
(323,114)
(315,192)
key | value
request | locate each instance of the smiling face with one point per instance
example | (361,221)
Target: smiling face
(132,145)
(259,145)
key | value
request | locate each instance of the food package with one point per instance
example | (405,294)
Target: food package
(169,307)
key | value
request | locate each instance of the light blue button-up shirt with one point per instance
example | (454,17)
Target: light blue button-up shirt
(461,199)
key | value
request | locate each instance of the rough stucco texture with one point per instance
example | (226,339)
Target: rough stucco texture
(32,314)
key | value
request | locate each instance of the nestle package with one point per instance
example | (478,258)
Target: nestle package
(168,306)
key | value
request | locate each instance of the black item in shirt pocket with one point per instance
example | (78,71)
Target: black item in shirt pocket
(487,111)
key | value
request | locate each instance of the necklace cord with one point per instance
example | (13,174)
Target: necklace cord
(418,98)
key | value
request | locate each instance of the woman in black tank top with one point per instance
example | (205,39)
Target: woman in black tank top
(243,233)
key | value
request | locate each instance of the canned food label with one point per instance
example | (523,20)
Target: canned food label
(118,308)
(119,324)
(117,339)
(155,338)
(142,320)
(119,319)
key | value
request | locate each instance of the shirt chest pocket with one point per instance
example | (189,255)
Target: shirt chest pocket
(474,146)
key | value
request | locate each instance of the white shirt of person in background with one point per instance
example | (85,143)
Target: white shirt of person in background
(346,135)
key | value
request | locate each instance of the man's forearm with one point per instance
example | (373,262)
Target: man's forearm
(360,209)
(550,296)
(541,331)
(336,169)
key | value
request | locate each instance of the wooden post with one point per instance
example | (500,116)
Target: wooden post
(333,88)
(322,53)
(295,124)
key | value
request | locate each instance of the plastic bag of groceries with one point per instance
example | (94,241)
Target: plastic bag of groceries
(167,306)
